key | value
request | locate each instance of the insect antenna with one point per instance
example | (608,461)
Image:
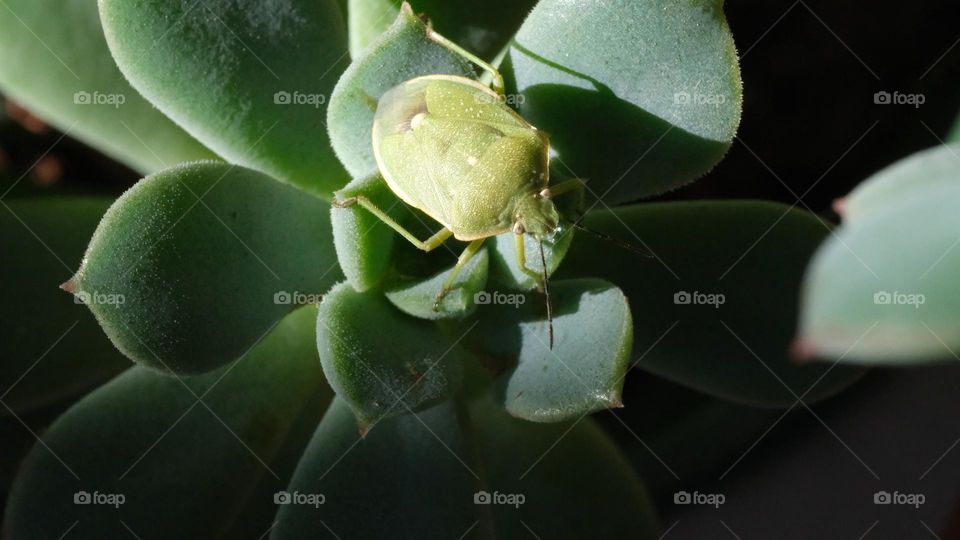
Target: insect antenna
(546,292)
(616,241)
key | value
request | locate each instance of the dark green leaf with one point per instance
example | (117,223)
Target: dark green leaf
(52,347)
(193,265)
(638,97)
(250,79)
(186,455)
(433,467)
(585,369)
(417,296)
(402,53)
(717,308)
(481,26)
(381,361)
(54,60)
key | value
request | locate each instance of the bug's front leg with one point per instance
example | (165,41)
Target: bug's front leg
(468,253)
(521,253)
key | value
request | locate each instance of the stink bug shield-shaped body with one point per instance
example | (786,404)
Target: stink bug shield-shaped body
(451,147)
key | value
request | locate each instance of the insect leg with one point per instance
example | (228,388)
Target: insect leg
(426,245)
(468,253)
(522,261)
(566,186)
(497,82)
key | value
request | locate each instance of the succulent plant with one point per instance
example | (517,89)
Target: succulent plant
(291,377)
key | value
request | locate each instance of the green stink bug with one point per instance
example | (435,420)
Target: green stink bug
(451,147)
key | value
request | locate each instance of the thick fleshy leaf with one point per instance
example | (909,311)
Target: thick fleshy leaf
(639,97)
(381,361)
(583,372)
(900,184)
(19,436)
(194,264)
(249,79)
(884,290)
(363,242)
(60,68)
(464,472)
(194,447)
(481,26)
(52,347)
(417,296)
(667,450)
(402,53)
(717,308)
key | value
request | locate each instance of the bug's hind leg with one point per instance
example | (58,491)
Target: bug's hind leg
(426,245)
(462,261)
(497,81)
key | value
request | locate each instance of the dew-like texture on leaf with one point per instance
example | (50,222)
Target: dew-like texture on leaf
(465,471)
(381,361)
(249,78)
(146,437)
(51,347)
(716,309)
(584,370)
(417,296)
(639,97)
(402,53)
(193,265)
(883,290)
(481,26)
(54,61)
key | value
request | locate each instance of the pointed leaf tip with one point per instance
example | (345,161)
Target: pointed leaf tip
(70,286)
